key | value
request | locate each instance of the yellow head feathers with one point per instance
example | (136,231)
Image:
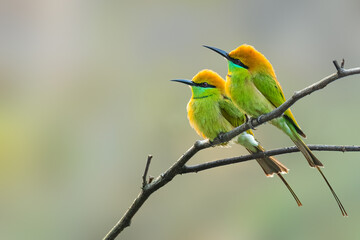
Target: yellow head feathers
(252,58)
(211,77)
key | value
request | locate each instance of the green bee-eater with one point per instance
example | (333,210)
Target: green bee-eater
(211,113)
(252,85)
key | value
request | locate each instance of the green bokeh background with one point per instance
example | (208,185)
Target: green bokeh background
(85,96)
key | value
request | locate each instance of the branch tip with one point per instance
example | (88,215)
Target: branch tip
(146,171)
(151,178)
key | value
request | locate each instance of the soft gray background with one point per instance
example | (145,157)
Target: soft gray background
(85,97)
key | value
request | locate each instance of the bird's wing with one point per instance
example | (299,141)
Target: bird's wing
(271,89)
(234,116)
(231,113)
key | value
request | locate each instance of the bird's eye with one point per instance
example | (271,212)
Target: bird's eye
(238,62)
(204,84)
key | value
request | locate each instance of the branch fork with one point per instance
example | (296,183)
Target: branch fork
(339,68)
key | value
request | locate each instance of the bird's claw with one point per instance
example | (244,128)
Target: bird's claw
(259,118)
(219,138)
(250,122)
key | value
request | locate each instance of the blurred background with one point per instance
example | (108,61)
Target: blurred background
(85,96)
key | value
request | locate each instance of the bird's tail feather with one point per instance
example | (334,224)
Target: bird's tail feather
(342,209)
(314,162)
(272,166)
(290,190)
(310,157)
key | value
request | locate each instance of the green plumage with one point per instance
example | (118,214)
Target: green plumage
(211,112)
(253,87)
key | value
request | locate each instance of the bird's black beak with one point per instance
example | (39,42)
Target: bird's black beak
(226,55)
(219,51)
(188,82)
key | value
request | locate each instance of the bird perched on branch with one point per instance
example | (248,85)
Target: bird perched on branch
(211,113)
(252,85)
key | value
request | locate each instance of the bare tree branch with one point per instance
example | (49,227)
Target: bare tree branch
(228,161)
(149,188)
(179,166)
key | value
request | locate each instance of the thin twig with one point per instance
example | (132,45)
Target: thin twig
(177,167)
(337,66)
(146,170)
(342,63)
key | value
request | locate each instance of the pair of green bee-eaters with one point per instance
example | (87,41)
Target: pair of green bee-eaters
(217,106)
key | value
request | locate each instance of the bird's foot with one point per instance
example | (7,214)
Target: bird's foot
(254,121)
(251,122)
(219,138)
(259,119)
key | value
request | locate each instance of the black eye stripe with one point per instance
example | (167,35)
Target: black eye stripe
(238,62)
(205,85)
